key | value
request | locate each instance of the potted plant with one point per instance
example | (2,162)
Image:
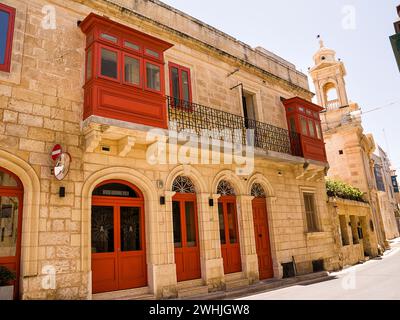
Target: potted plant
(6,277)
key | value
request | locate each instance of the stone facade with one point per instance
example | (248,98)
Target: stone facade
(349,149)
(355,237)
(386,195)
(41,104)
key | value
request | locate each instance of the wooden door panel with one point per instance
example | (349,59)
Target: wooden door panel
(104,273)
(132,271)
(261,233)
(235,261)
(179,262)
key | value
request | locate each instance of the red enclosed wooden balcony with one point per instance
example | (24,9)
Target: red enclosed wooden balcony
(124,77)
(303,118)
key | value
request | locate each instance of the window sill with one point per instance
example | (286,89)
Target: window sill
(317,235)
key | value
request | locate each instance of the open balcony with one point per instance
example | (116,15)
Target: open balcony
(196,118)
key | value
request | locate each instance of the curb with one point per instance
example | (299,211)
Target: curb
(266,286)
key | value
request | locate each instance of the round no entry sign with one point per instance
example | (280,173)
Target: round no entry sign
(56,152)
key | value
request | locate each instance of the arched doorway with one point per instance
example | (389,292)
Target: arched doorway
(186,234)
(261,232)
(228,228)
(118,237)
(11,195)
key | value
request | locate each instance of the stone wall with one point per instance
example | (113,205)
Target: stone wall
(352,213)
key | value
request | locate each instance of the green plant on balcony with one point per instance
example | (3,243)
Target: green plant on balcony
(6,276)
(343,190)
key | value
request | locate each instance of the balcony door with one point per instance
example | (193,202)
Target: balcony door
(186,235)
(249,111)
(228,228)
(118,239)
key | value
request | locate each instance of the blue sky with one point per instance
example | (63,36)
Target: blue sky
(358,30)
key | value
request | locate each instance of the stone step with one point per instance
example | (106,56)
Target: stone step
(234,276)
(131,294)
(140,297)
(236,284)
(192,291)
(190,284)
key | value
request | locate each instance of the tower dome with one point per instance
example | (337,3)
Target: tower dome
(324,54)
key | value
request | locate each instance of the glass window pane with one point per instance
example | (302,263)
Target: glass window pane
(102,229)
(130,229)
(152,53)
(221,223)
(175,84)
(115,190)
(4,20)
(232,223)
(303,126)
(292,125)
(310,212)
(190,224)
(311,128)
(6,180)
(131,45)
(89,64)
(8,226)
(185,86)
(109,37)
(319,133)
(109,66)
(153,76)
(132,70)
(176,217)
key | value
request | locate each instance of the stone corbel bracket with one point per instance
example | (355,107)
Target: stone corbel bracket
(125,145)
(92,138)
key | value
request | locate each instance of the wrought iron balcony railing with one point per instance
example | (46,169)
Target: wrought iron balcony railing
(184,115)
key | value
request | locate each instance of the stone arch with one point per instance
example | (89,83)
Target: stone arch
(232,178)
(259,178)
(150,194)
(30,213)
(190,172)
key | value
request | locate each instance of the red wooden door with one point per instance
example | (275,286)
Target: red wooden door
(228,227)
(11,204)
(186,239)
(261,231)
(118,244)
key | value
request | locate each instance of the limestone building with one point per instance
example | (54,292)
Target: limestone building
(125,88)
(386,194)
(349,149)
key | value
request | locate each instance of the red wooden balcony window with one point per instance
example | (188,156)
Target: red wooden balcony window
(7,18)
(124,74)
(303,118)
(180,84)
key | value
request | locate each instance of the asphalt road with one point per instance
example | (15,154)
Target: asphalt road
(377,279)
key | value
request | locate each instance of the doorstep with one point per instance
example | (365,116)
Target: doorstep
(132,294)
(265,286)
(191,288)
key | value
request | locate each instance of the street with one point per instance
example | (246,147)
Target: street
(378,279)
